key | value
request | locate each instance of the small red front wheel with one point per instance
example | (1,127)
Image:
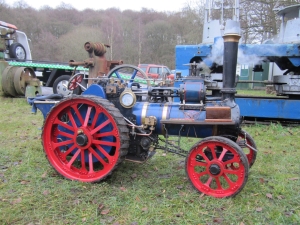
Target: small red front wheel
(217,166)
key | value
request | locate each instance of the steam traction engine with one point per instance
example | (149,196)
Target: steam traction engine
(86,136)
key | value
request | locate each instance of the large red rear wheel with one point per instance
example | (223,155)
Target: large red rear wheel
(85,138)
(207,167)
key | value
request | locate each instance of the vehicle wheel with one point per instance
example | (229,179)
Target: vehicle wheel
(85,138)
(117,71)
(208,171)
(60,86)
(77,81)
(246,142)
(17,51)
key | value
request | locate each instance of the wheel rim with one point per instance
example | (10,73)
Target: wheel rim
(20,53)
(207,167)
(115,71)
(62,88)
(244,144)
(81,140)
(75,81)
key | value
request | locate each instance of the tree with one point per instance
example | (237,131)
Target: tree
(259,20)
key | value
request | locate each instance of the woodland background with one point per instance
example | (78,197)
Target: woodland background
(146,36)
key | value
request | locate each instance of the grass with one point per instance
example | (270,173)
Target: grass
(156,192)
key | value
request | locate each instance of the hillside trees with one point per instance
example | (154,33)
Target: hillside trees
(135,37)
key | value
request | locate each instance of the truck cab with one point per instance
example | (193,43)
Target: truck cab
(14,43)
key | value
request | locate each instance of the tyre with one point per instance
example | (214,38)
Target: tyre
(17,51)
(60,86)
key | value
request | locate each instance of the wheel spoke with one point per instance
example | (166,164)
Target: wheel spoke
(117,74)
(87,116)
(235,171)
(92,151)
(72,118)
(194,162)
(106,143)
(219,185)
(77,113)
(231,161)
(65,154)
(83,161)
(211,147)
(204,156)
(133,76)
(63,124)
(95,119)
(100,126)
(230,183)
(222,154)
(64,134)
(62,143)
(208,181)
(103,152)
(105,134)
(91,165)
(201,174)
(73,158)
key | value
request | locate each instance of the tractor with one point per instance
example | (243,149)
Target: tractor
(121,116)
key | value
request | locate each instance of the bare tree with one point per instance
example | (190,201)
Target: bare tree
(259,20)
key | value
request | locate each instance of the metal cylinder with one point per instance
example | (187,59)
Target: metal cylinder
(98,48)
(8,81)
(15,79)
(231,42)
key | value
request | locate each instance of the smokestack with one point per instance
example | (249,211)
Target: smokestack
(231,41)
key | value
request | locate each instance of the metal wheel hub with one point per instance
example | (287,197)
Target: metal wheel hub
(215,169)
(20,53)
(82,140)
(62,88)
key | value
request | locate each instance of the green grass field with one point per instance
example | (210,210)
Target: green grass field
(157,192)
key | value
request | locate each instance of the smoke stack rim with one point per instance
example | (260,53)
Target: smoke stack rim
(231,37)
(232,27)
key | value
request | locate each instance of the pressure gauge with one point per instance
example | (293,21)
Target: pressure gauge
(127,98)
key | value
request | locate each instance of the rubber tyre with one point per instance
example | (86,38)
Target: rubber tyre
(17,51)
(57,86)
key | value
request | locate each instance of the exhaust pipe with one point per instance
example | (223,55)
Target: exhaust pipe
(231,41)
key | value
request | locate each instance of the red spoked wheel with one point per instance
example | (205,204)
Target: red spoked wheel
(85,138)
(207,167)
(75,81)
(246,142)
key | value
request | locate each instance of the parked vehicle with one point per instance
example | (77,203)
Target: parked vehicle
(15,51)
(156,71)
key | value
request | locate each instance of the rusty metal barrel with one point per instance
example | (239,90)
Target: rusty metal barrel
(98,48)
(15,79)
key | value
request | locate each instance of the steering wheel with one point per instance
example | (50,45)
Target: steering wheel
(75,81)
(115,71)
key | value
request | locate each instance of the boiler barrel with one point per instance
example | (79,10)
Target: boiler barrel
(168,111)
